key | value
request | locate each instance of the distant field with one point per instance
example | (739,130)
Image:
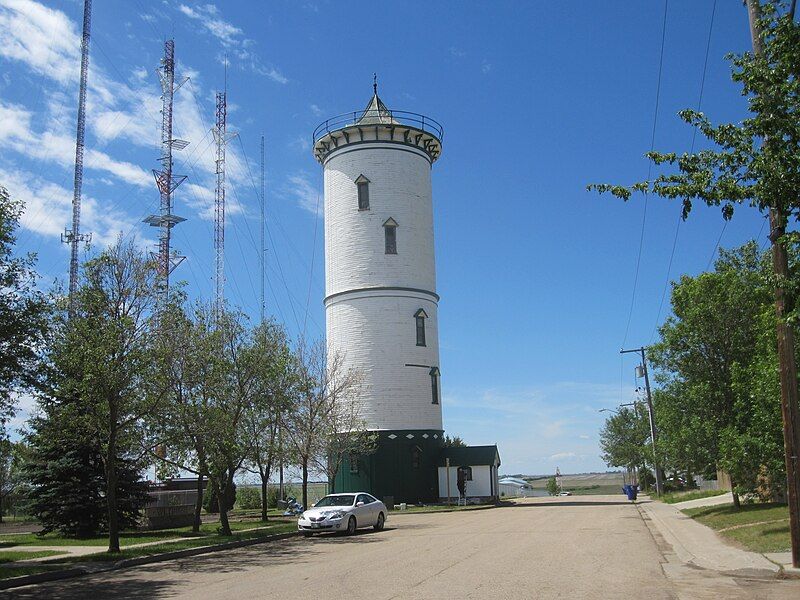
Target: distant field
(584,484)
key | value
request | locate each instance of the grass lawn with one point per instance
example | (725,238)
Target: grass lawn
(7,556)
(674,497)
(126,538)
(758,527)
(216,538)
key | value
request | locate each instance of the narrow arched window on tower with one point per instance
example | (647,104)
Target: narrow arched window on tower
(434,385)
(390,235)
(362,184)
(419,318)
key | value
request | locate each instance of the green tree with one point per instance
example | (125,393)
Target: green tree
(710,336)
(23,312)
(755,162)
(185,378)
(625,439)
(323,410)
(100,365)
(552,486)
(454,442)
(276,384)
(65,477)
(209,371)
(11,475)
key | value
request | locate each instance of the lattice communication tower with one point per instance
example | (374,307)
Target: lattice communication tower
(73,236)
(221,137)
(166,181)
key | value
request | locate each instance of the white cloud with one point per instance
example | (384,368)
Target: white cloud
(16,134)
(316,110)
(232,38)
(307,196)
(272,73)
(301,143)
(48,44)
(457,52)
(207,16)
(48,208)
(43,38)
(563,456)
(486,66)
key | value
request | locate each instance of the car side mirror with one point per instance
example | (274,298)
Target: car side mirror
(359,504)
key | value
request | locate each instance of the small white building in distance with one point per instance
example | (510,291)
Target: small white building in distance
(480,466)
(514,487)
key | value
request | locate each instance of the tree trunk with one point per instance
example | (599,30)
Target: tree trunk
(305,482)
(111,489)
(736,502)
(264,497)
(222,500)
(198,505)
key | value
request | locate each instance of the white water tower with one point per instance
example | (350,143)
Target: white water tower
(381,304)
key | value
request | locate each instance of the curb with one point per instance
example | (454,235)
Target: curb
(14,582)
(394,513)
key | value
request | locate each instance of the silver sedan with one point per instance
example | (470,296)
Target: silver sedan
(343,513)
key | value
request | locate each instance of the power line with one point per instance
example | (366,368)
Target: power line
(691,151)
(311,272)
(716,246)
(649,171)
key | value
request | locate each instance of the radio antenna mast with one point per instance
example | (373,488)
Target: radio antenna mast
(263,260)
(73,236)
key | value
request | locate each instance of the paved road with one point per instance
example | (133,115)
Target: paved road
(578,547)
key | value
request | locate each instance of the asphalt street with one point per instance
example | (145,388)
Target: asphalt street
(577,547)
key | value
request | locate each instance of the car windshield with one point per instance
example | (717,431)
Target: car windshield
(337,500)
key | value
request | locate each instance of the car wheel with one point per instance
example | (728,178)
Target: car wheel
(351,526)
(379,524)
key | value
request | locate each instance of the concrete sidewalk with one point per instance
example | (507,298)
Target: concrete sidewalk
(700,546)
(87,550)
(701,502)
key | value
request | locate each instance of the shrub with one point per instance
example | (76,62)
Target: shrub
(248,497)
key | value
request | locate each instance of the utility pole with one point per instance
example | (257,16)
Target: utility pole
(785,334)
(651,416)
(166,182)
(73,236)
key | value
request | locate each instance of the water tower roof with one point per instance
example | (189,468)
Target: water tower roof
(376,113)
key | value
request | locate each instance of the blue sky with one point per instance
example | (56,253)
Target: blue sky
(537,99)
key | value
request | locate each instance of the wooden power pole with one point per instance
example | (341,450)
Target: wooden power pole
(651,417)
(786,358)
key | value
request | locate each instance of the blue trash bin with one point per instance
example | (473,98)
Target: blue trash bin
(631,492)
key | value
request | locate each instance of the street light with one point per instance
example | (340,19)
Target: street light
(616,411)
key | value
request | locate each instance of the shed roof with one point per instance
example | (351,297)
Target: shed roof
(470,455)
